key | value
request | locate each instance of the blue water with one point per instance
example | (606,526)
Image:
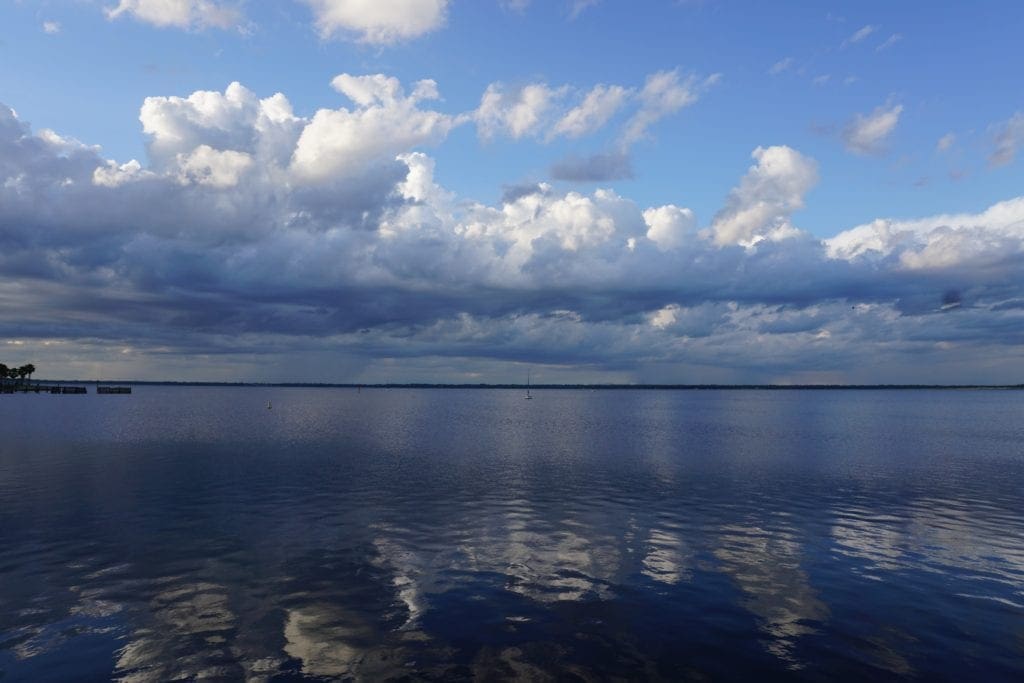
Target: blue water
(183,533)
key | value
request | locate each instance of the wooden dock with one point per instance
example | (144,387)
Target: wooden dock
(43,389)
(113,390)
(59,389)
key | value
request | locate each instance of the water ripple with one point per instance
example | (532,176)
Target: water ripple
(189,534)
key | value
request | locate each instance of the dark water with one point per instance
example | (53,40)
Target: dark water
(186,533)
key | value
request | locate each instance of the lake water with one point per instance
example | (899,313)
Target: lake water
(187,532)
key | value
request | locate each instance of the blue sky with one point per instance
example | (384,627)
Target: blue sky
(556,128)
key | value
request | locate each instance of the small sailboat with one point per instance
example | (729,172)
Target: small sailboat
(528,397)
(268,405)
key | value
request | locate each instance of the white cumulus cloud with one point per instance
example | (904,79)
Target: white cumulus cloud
(179,13)
(215,168)
(112,174)
(384,123)
(379,22)
(772,189)
(669,226)
(541,111)
(516,112)
(990,239)
(233,120)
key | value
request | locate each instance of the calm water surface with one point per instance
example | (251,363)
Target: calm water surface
(184,533)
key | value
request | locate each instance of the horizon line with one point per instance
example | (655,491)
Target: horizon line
(504,385)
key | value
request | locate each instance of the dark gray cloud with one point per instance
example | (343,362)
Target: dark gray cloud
(595,168)
(510,193)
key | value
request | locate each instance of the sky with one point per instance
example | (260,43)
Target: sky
(667,191)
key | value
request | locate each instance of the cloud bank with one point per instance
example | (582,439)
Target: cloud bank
(254,243)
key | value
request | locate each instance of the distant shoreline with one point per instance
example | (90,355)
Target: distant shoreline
(637,387)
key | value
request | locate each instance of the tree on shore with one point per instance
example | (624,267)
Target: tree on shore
(17,374)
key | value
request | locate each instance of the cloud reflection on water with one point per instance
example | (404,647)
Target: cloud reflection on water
(599,538)
(766,566)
